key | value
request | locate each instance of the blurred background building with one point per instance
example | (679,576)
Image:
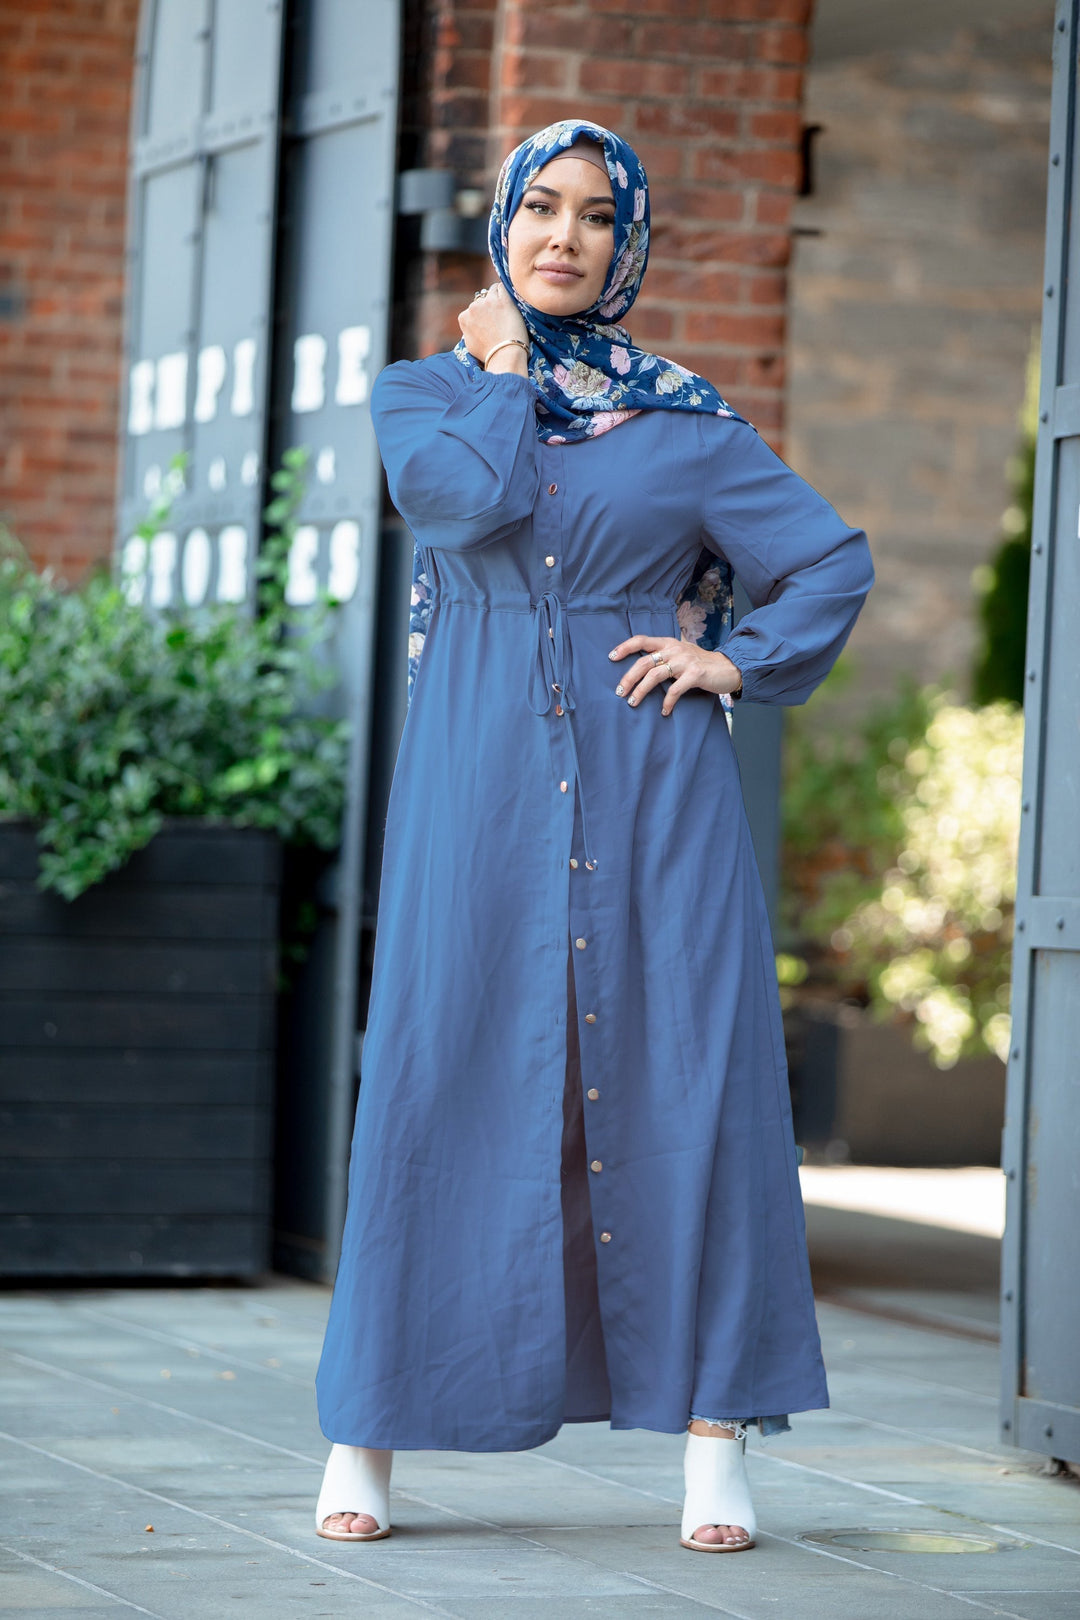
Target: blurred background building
(916,289)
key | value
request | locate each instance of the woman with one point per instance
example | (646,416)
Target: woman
(573,1189)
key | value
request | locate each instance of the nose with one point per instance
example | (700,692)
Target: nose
(564,232)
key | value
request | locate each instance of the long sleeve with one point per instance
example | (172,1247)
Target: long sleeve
(460,453)
(805,571)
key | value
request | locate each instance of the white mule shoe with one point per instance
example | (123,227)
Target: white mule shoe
(717,1492)
(356,1480)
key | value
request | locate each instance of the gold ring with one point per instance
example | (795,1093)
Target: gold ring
(670,672)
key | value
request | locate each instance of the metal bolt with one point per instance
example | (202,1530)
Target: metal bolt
(1049,1431)
(1011,1175)
(1060,922)
(1008,1295)
(1049,292)
(1037,548)
(1033,675)
(1056,159)
(1021,925)
(1044,416)
(1006,1424)
(1026,804)
(1016,1051)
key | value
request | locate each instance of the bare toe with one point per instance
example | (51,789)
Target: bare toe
(729,1534)
(351,1524)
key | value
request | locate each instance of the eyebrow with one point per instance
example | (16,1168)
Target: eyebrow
(551,191)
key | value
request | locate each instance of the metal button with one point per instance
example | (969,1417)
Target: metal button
(580,943)
(592,1094)
(550,561)
(596,1165)
(552,488)
(573,862)
(563,786)
(605,1237)
(590,1018)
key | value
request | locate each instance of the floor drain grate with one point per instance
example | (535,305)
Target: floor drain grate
(909,1541)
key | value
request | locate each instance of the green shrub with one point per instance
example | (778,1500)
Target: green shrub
(1002,583)
(900,845)
(935,941)
(841,820)
(112,719)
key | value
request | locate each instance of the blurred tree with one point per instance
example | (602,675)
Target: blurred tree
(1002,583)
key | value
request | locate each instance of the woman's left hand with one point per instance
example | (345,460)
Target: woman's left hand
(690,666)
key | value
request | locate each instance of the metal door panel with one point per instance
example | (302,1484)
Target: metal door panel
(1052,1185)
(159,325)
(175,47)
(199,286)
(1040,1389)
(1059,801)
(228,423)
(244,61)
(333,278)
(337,61)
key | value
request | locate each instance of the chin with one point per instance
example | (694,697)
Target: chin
(551,301)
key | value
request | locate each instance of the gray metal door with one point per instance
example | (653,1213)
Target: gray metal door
(257,301)
(204,172)
(1041,1147)
(336,230)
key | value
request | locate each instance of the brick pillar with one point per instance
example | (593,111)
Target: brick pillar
(445,99)
(708,91)
(66,67)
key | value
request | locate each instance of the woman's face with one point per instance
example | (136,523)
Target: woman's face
(560,241)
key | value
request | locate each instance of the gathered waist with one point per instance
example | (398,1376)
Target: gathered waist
(581,602)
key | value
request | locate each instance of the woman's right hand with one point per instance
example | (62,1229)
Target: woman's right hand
(493,319)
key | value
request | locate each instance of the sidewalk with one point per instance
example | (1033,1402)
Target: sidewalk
(191,1410)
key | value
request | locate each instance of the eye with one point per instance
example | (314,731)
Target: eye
(538,207)
(601,219)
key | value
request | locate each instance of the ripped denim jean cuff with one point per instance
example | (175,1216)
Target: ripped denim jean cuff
(738,1424)
(766,1426)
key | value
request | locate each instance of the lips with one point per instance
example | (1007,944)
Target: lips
(560,275)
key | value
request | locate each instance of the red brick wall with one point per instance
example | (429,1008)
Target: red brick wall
(709,93)
(66,70)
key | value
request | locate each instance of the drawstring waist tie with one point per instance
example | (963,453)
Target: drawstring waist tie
(550,675)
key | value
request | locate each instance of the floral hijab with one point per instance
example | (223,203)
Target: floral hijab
(588,374)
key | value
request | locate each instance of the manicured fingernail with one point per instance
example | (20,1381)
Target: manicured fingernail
(618,691)
(632,698)
(612,654)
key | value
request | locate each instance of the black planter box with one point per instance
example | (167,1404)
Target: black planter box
(861,1092)
(137,1060)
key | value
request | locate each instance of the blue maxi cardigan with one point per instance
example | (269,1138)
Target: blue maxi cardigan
(536,823)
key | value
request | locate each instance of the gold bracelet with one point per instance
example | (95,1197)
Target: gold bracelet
(505,344)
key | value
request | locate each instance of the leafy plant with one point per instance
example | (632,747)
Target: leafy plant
(841,820)
(900,859)
(112,719)
(936,940)
(1002,583)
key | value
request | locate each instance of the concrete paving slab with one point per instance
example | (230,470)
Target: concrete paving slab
(648,1606)
(1036,1605)
(227,1469)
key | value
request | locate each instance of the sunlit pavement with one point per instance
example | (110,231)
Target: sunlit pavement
(191,1410)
